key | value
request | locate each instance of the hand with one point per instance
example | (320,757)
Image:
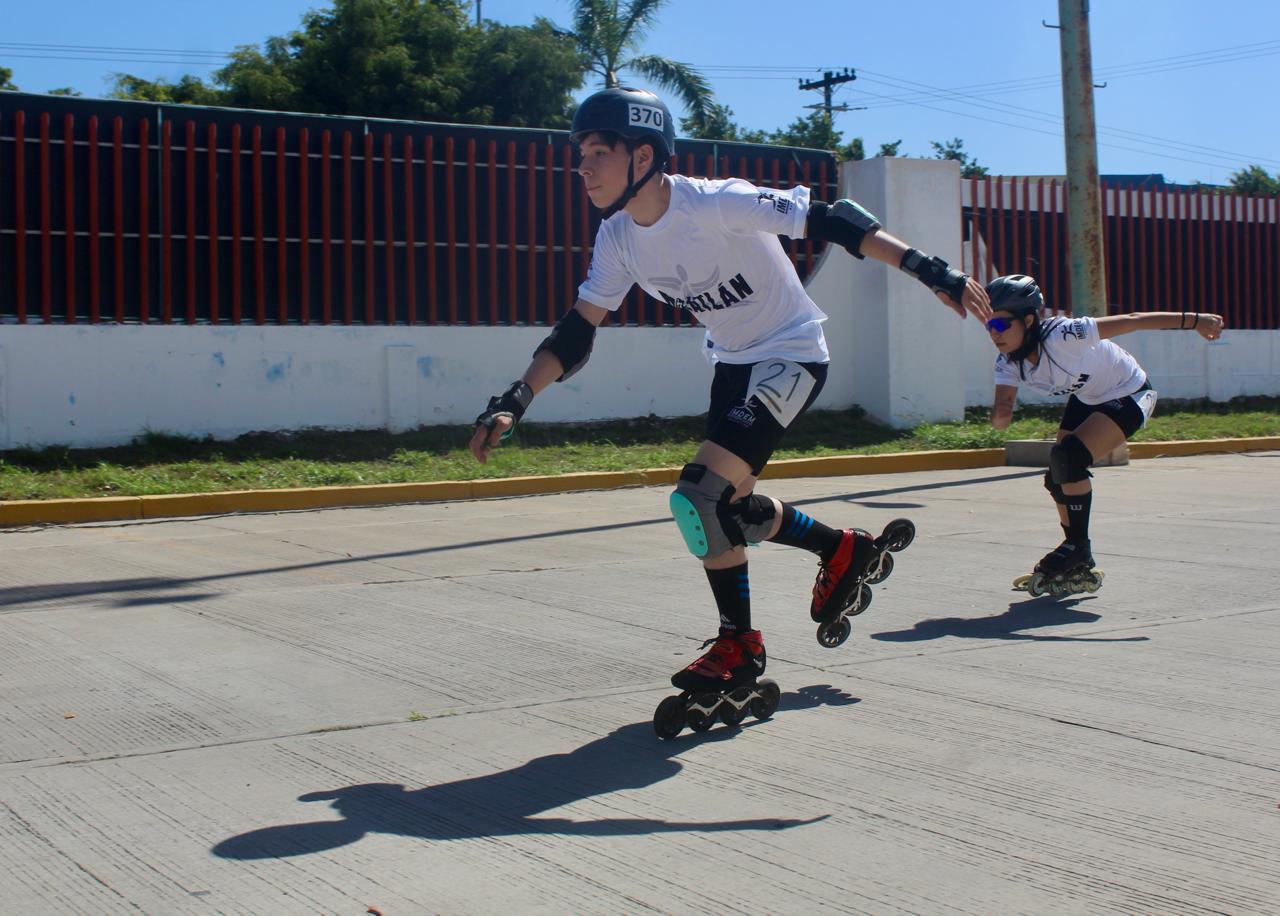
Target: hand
(487,438)
(973,301)
(1210,326)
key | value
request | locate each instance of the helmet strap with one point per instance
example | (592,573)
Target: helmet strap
(633,186)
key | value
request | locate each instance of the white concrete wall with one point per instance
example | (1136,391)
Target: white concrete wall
(102,385)
(895,350)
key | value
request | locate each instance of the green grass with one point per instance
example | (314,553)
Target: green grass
(160,464)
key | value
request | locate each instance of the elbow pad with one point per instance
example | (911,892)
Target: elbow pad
(571,341)
(843,222)
(934,273)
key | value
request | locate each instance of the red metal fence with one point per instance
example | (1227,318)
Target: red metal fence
(130,212)
(1166,249)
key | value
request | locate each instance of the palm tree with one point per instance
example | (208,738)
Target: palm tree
(609,38)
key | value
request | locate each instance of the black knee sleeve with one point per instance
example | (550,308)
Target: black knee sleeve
(1069,461)
(754,515)
(1054,489)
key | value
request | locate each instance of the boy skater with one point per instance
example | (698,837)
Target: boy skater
(711,246)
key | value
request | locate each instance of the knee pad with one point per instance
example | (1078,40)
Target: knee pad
(754,517)
(1054,489)
(700,506)
(1069,461)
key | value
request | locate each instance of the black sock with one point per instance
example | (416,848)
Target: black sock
(1078,516)
(799,530)
(732,591)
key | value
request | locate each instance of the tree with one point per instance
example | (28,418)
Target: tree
(954,149)
(718,124)
(6,80)
(406,59)
(889,150)
(190,90)
(606,35)
(1255,180)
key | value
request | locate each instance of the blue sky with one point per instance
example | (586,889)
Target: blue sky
(1191,87)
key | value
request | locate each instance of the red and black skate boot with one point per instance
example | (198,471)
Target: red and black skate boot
(735,659)
(840,575)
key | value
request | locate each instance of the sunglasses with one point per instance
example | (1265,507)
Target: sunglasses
(999,325)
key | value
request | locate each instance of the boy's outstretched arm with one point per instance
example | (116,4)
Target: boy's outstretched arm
(958,292)
(569,344)
(861,234)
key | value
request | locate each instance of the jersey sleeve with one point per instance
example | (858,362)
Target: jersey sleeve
(745,208)
(1076,331)
(608,279)
(1005,372)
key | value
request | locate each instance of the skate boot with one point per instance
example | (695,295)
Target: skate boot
(721,684)
(1066,570)
(843,587)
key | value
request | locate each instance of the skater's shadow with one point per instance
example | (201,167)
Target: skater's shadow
(816,695)
(507,803)
(1030,614)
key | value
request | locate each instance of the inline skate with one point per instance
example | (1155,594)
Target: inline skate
(843,588)
(1066,570)
(723,684)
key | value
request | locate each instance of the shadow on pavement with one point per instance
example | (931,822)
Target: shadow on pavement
(1030,614)
(506,803)
(13,598)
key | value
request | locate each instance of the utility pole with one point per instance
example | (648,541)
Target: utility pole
(1084,202)
(478,13)
(826,84)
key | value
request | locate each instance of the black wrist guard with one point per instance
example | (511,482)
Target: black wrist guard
(571,341)
(934,273)
(843,222)
(511,403)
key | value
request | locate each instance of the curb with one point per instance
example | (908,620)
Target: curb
(132,508)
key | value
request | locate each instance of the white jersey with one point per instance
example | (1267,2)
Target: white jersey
(715,253)
(1076,360)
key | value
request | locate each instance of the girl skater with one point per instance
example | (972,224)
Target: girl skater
(1110,398)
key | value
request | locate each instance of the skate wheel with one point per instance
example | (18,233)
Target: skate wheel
(732,715)
(766,704)
(702,714)
(1020,583)
(899,534)
(863,600)
(1036,586)
(886,567)
(668,719)
(700,721)
(1094,581)
(834,633)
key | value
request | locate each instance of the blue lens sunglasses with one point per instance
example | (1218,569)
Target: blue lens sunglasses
(999,325)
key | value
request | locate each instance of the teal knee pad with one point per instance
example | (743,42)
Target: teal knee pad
(690,524)
(695,505)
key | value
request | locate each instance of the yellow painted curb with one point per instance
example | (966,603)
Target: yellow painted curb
(896,463)
(1183,447)
(119,508)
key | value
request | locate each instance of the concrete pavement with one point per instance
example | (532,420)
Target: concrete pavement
(446,708)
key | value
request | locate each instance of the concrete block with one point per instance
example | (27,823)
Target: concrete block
(1034,453)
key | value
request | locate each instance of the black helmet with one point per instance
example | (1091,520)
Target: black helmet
(1017,294)
(634,114)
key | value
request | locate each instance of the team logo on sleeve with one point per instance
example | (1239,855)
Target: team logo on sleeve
(1075,328)
(780,203)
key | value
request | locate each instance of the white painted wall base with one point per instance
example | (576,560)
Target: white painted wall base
(895,350)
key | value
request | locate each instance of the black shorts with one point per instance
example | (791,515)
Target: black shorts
(1124,411)
(751,428)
